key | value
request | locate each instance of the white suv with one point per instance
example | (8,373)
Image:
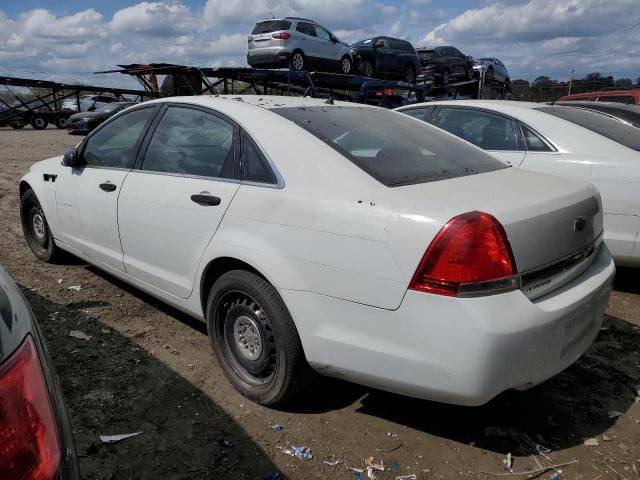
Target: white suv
(88,103)
(299,44)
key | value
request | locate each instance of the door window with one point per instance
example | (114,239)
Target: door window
(321,33)
(484,129)
(421,113)
(113,146)
(306,29)
(254,166)
(191,142)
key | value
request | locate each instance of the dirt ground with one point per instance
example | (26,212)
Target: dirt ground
(149,368)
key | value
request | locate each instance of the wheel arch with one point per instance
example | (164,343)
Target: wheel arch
(216,268)
(24,186)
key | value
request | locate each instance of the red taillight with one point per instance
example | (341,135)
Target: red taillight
(281,36)
(29,445)
(470,256)
(249,39)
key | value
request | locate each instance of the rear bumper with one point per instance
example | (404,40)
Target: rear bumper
(80,127)
(460,351)
(268,58)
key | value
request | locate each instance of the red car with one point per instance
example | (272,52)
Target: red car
(627,97)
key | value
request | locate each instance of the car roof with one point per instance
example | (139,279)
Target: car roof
(267,102)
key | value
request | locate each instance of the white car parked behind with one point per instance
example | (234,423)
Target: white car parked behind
(88,103)
(563,141)
(345,238)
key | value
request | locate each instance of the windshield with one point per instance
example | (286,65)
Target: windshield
(271,26)
(427,54)
(612,129)
(393,148)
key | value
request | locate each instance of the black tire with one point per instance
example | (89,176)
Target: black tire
(62,121)
(298,62)
(507,84)
(36,229)
(346,66)
(367,69)
(39,122)
(255,339)
(409,75)
(468,73)
(446,77)
(488,76)
(17,126)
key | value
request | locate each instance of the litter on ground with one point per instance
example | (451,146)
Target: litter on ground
(80,335)
(117,438)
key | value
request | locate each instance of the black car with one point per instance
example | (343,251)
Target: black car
(85,122)
(629,114)
(442,64)
(386,58)
(35,435)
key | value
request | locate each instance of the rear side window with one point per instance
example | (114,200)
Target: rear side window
(191,142)
(254,166)
(624,99)
(534,142)
(271,26)
(611,129)
(306,28)
(484,129)
(391,148)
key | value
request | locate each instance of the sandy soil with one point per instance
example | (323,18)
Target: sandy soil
(148,368)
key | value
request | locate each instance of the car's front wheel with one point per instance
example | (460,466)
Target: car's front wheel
(346,66)
(409,75)
(488,77)
(297,62)
(36,229)
(367,68)
(446,77)
(255,339)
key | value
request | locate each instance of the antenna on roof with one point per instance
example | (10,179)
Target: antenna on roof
(272,15)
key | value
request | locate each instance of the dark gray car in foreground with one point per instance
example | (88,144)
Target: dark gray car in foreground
(35,435)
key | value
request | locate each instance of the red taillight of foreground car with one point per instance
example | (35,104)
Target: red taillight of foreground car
(29,445)
(470,256)
(281,36)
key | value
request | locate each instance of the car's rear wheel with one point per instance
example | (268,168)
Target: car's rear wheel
(298,62)
(346,66)
(367,68)
(409,74)
(39,122)
(17,126)
(255,339)
(488,77)
(36,229)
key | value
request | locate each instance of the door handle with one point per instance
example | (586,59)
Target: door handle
(205,200)
(108,187)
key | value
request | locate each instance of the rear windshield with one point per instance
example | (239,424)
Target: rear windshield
(612,129)
(393,148)
(427,54)
(271,26)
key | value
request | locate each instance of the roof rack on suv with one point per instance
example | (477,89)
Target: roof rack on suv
(300,18)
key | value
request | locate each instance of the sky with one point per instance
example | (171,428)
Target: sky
(68,40)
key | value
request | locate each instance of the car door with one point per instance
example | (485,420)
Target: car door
(328,54)
(395,62)
(458,61)
(87,197)
(383,54)
(172,203)
(308,41)
(498,134)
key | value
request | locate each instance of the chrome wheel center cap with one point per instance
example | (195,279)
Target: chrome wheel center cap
(38,225)
(248,337)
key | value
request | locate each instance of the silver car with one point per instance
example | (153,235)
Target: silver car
(496,71)
(298,44)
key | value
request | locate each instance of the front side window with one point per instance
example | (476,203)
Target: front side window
(191,142)
(322,33)
(113,146)
(420,113)
(392,148)
(484,129)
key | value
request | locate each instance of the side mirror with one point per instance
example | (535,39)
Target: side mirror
(379,44)
(333,38)
(71,158)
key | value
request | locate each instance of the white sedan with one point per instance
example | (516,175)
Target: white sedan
(337,238)
(563,141)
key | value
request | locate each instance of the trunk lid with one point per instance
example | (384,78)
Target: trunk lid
(553,224)
(262,34)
